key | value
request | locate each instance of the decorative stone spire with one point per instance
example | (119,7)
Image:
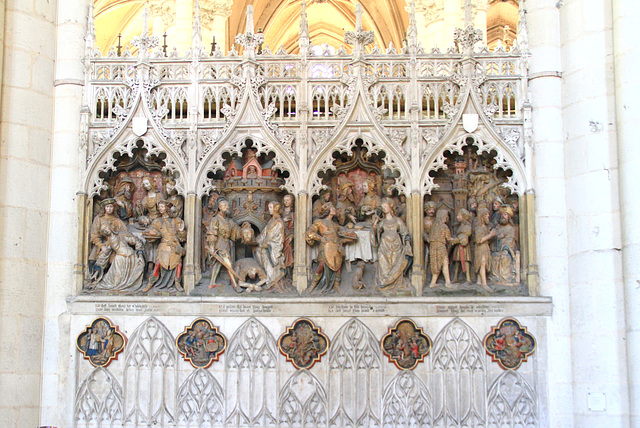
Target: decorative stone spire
(90,37)
(523,35)
(466,38)
(358,38)
(144,42)
(196,43)
(249,40)
(412,30)
(303,41)
(468,11)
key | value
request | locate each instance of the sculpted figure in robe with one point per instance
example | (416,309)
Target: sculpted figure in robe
(324,231)
(506,257)
(462,246)
(148,206)
(170,232)
(147,210)
(370,204)
(124,198)
(98,241)
(124,252)
(438,255)
(288,217)
(324,197)
(482,251)
(174,198)
(270,251)
(346,206)
(394,249)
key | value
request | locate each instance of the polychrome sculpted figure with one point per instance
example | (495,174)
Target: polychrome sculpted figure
(462,248)
(370,204)
(174,198)
(124,198)
(270,246)
(506,257)
(346,207)
(171,232)
(324,197)
(482,251)
(325,232)
(250,275)
(149,204)
(220,233)
(429,220)
(438,255)
(124,251)
(394,249)
(288,217)
(98,241)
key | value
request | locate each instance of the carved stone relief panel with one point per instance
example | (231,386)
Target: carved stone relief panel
(471,228)
(247,229)
(137,233)
(101,342)
(359,243)
(456,384)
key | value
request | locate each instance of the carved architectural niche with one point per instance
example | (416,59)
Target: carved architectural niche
(471,225)
(137,229)
(303,344)
(201,343)
(247,226)
(509,344)
(358,235)
(101,342)
(406,345)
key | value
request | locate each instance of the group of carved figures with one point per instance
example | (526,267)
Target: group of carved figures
(368,232)
(137,237)
(137,243)
(272,249)
(484,243)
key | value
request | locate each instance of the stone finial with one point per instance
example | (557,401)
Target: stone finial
(249,28)
(304,22)
(144,42)
(90,37)
(303,41)
(412,30)
(196,42)
(358,38)
(249,40)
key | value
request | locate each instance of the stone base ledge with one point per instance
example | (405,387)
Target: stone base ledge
(309,307)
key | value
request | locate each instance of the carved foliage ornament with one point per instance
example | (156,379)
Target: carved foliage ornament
(509,344)
(101,342)
(406,345)
(303,344)
(201,343)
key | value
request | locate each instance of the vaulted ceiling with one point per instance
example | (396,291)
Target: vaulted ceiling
(279,20)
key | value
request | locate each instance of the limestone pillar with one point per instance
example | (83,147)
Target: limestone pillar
(214,18)
(181,32)
(57,409)
(414,217)
(452,19)
(421,21)
(626,15)
(545,86)
(189,260)
(593,218)
(303,209)
(25,156)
